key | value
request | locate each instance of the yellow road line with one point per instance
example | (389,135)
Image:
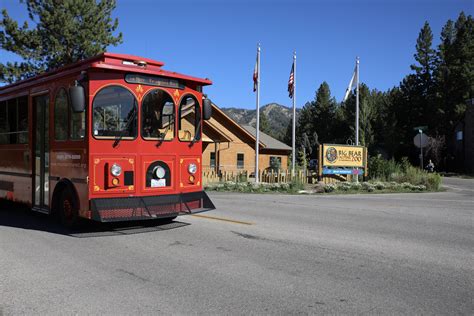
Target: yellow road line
(222,219)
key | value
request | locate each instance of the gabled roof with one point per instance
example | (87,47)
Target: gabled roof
(267,140)
(247,131)
(230,121)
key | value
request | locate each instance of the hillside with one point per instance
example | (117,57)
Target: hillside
(278,116)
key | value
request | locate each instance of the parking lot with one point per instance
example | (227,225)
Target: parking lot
(256,253)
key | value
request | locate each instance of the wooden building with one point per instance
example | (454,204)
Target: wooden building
(228,146)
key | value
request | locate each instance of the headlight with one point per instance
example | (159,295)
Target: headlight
(159,172)
(192,168)
(116,170)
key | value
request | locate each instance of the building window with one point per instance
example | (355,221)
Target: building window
(240,161)
(275,163)
(212,160)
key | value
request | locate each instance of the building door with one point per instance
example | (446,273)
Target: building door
(41,153)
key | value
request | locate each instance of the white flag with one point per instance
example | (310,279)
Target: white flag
(352,84)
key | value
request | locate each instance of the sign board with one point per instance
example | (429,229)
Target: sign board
(154,81)
(343,156)
(420,140)
(343,171)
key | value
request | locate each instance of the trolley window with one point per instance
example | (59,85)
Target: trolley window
(158,115)
(61,110)
(114,113)
(78,125)
(14,121)
(190,119)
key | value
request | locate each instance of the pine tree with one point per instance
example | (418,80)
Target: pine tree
(305,123)
(65,31)
(425,56)
(367,113)
(288,137)
(324,112)
(264,124)
(444,78)
(423,98)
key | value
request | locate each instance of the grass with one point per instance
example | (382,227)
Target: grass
(252,187)
(333,188)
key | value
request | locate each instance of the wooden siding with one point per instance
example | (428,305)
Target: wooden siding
(240,142)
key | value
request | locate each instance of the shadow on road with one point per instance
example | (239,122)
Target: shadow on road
(18,216)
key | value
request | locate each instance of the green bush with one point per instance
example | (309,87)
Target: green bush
(401,172)
(328,188)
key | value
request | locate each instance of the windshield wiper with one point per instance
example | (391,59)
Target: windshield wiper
(196,137)
(162,138)
(122,134)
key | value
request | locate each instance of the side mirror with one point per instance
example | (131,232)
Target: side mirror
(167,113)
(78,98)
(168,109)
(206,109)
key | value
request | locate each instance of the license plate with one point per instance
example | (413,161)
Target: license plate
(158,183)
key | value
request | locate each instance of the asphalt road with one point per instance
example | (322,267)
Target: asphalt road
(261,254)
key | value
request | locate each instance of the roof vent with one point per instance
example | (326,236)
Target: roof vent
(140,63)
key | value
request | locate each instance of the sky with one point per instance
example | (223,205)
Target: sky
(218,39)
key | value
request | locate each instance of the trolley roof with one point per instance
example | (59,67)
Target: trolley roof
(106,61)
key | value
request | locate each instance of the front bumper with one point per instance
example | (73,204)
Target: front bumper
(149,207)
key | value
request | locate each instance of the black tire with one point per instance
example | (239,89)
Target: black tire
(168,219)
(67,209)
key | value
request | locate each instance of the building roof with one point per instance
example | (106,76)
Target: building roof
(268,141)
(247,131)
(229,120)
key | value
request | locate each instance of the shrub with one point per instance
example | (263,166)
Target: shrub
(382,169)
(343,187)
(433,182)
(379,185)
(296,185)
(329,188)
(402,172)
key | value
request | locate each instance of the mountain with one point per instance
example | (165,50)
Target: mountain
(278,116)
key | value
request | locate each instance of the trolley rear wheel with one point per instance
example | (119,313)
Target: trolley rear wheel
(68,212)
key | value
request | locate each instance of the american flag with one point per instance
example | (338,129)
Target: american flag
(291,82)
(255,75)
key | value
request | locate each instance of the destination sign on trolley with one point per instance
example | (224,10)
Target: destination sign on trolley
(154,81)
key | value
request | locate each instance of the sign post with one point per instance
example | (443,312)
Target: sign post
(421,148)
(421,140)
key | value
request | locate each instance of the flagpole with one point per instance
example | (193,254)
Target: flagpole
(257,127)
(357,110)
(357,102)
(293,133)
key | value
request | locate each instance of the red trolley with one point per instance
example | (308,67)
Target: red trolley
(111,138)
